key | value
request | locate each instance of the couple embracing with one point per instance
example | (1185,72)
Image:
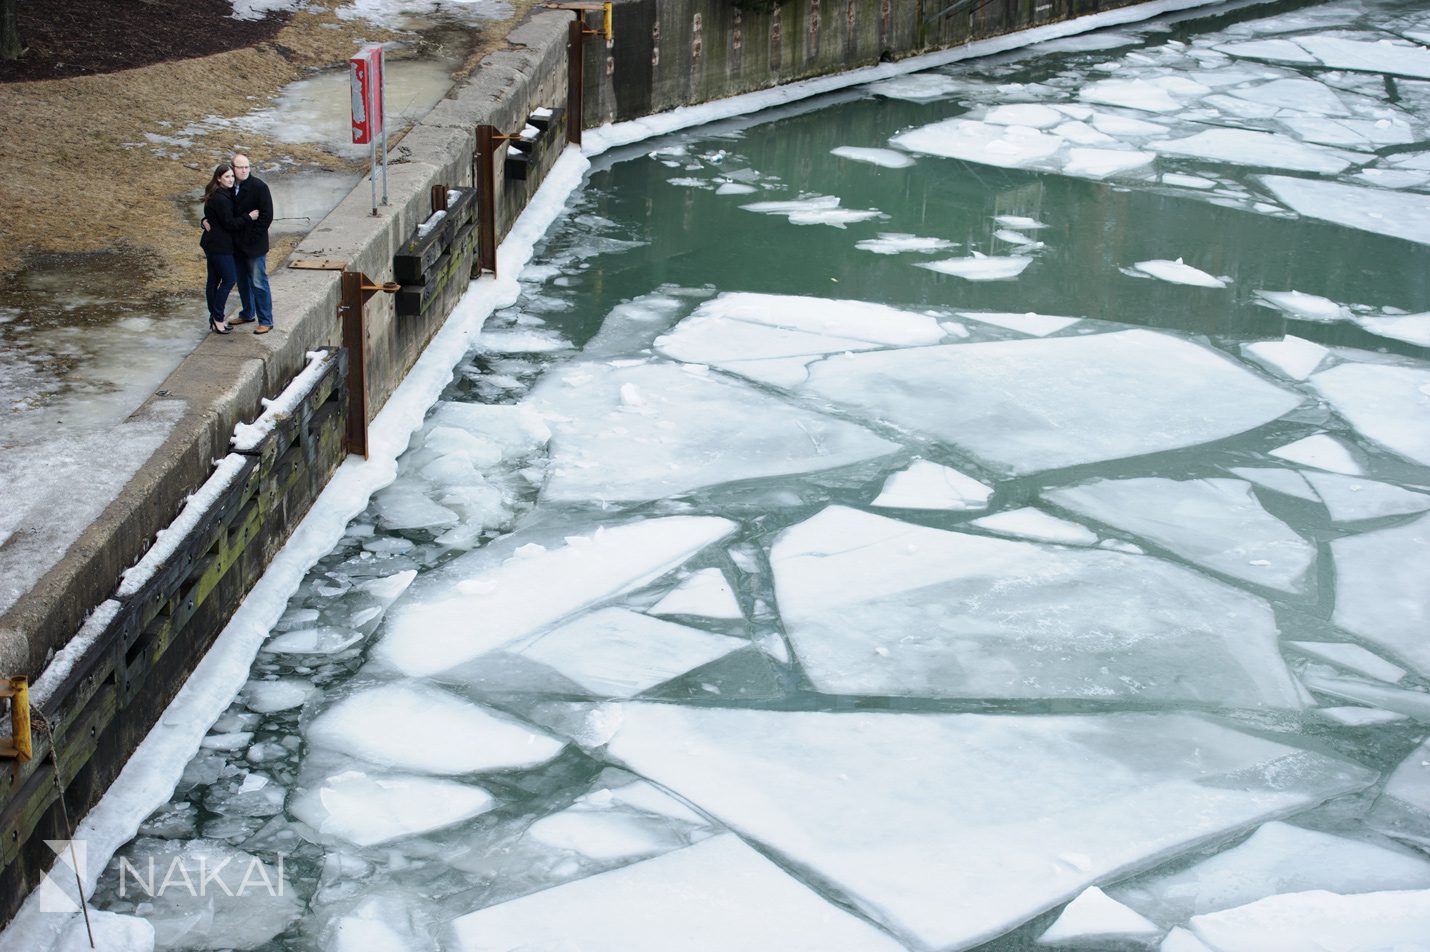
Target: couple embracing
(238,209)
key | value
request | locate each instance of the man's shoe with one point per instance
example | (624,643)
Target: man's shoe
(263,328)
(238,319)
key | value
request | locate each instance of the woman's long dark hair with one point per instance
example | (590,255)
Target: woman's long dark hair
(214,185)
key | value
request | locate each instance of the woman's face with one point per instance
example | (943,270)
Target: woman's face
(226,179)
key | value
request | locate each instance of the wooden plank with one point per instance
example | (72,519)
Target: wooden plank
(318,264)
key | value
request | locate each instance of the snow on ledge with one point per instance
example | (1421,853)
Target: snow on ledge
(248,436)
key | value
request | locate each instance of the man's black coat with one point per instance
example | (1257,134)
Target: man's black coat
(252,242)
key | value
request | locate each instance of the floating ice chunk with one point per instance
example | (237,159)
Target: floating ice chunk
(695,431)
(1015,237)
(1024,114)
(1021,222)
(1288,482)
(973,141)
(1131,789)
(1275,51)
(814,210)
(1293,357)
(744,326)
(402,507)
(1388,404)
(714,896)
(317,641)
(434,632)
(917,87)
(1240,108)
(1355,133)
(735,188)
(614,652)
(1100,163)
(451,736)
(1301,94)
(959,615)
(1082,134)
(225,911)
(1322,452)
(1358,716)
(1305,307)
(603,835)
(1261,149)
(926,485)
(1317,920)
(1385,212)
(1039,325)
(1411,703)
(1119,126)
(1403,808)
(1095,918)
(111,931)
(1213,522)
(1177,272)
(1381,593)
(1030,405)
(269,697)
(651,799)
(1180,940)
(1146,95)
(980,267)
(1411,328)
(528,341)
(369,809)
(893,243)
(885,158)
(1187,181)
(1376,56)
(1350,498)
(1277,858)
(1352,657)
(706,593)
(1030,523)
(1085,42)
(379,923)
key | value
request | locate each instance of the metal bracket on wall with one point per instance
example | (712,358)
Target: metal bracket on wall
(357,289)
(20,747)
(484,171)
(581,9)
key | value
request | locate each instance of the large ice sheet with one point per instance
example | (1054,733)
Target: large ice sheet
(1381,592)
(986,142)
(1213,522)
(657,429)
(614,652)
(1411,328)
(1030,405)
(951,829)
(456,737)
(743,326)
(1383,211)
(1277,858)
(1371,56)
(716,896)
(1388,404)
(881,607)
(460,615)
(1317,920)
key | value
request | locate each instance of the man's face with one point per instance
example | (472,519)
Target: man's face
(240,168)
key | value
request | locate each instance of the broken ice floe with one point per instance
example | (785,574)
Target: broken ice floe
(457,615)
(655,429)
(1305,307)
(1095,918)
(705,594)
(1216,523)
(1322,452)
(1318,919)
(1293,357)
(1259,149)
(1288,482)
(370,809)
(814,210)
(1029,405)
(814,788)
(875,606)
(1351,657)
(893,243)
(1398,214)
(454,736)
(980,267)
(1352,498)
(1177,272)
(1411,328)
(1403,808)
(1381,593)
(885,158)
(1030,523)
(1388,404)
(927,485)
(1039,325)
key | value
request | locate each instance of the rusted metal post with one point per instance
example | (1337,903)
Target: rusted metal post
(439,198)
(355,340)
(486,200)
(575,79)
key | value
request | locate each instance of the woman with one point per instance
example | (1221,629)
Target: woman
(224,222)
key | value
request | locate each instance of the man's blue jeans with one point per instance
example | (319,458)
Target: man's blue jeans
(253,289)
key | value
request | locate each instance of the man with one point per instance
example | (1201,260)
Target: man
(251,247)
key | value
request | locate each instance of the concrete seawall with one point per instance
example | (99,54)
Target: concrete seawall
(664,54)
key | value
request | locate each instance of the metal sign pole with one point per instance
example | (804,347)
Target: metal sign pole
(382,111)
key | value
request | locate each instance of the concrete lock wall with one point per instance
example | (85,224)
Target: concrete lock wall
(664,54)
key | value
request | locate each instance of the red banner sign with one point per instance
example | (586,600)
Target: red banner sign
(366,77)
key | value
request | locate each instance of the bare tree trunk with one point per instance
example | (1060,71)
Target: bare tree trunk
(9,34)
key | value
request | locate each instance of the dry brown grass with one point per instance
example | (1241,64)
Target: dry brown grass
(77,176)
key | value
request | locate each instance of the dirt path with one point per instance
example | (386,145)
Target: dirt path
(77,173)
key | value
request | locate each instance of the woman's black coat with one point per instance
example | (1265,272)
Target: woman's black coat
(221,211)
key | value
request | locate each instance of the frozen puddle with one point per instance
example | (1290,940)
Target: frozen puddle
(875,606)
(981,841)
